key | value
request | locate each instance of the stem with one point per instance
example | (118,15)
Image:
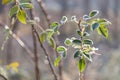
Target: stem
(81,75)
(60,63)
(3,77)
(36,61)
(35,54)
(47,17)
(47,56)
(55,37)
(18,40)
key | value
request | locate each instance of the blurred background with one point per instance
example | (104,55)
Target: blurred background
(104,67)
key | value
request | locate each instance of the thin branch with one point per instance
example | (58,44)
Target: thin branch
(47,17)
(81,74)
(47,56)
(18,40)
(36,61)
(3,77)
(41,4)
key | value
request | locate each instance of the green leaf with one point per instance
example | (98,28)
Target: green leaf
(73,18)
(77,54)
(86,34)
(63,20)
(95,26)
(86,17)
(79,32)
(88,41)
(103,22)
(49,33)
(24,1)
(62,50)
(31,21)
(67,42)
(57,60)
(83,24)
(77,41)
(51,42)
(6,1)
(82,65)
(93,13)
(21,15)
(54,26)
(104,31)
(87,56)
(13,10)
(43,37)
(26,5)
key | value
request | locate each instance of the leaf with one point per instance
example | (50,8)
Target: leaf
(62,50)
(63,20)
(95,26)
(57,60)
(103,22)
(86,17)
(21,15)
(86,34)
(14,66)
(31,21)
(83,24)
(93,13)
(73,18)
(88,41)
(104,31)
(49,33)
(13,10)
(43,37)
(54,26)
(6,1)
(87,56)
(24,1)
(26,5)
(81,65)
(79,32)
(51,42)
(77,54)
(77,41)
(67,42)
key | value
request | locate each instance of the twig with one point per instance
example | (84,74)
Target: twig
(18,40)
(47,56)
(55,37)
(81,74)
(60,63)
(47,17)
(3,77)
(36,61)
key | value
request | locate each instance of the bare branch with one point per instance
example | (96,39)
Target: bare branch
(18,40)
(3,77)
(36,61)
(44,11)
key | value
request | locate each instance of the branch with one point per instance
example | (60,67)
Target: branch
(36,61)
(18,40)
(3,77)
(41,4)
(48,58)
(47,17)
